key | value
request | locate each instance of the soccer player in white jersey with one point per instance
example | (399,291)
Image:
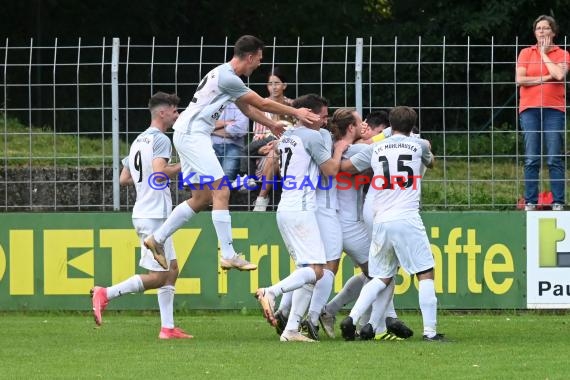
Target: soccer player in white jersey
(332,237)
(399,236)
(302,153)
(149,154)
(192,140)
(346,124)
(330,232)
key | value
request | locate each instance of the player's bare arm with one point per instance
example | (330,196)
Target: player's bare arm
(161,164)
(257,115)
(304,115)
(125,178)
(431,163)
(348,167)
(332,166)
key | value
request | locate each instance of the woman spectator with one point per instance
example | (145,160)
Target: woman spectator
(540,73)
(262,146)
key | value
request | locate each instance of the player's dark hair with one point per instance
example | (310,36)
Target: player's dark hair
(377,118)
(247,45)
(163,99)
(403,119)
(342,118)
(313,102)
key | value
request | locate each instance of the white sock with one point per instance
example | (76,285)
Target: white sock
(295,280)
(390,310)
(223,225)
(428,306)
(285,304)
(301,299)
(166,305)
(348,293)
(133,284)
(379,306)
(368,294)
(321,294)
(365,317)
(179,216)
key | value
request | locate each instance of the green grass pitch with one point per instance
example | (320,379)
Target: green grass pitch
(505,345)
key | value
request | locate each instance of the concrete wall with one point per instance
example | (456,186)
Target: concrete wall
(83,189)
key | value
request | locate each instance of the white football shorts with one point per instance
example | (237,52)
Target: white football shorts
(145,227)
(197,158)
(331,232)
(399,242)
(356,240)
(368,214)
(300,232)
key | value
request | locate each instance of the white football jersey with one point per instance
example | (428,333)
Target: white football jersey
(397,163)
(150,203)
(301,151)
(326,190)
(350,198)
(218,88)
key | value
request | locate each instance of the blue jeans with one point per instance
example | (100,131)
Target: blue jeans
(543,127)
(229,156)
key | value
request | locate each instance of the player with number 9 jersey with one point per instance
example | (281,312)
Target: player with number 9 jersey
(153,201)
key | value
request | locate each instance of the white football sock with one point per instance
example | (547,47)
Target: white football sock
(428,306)
(132,284)
(295,280)
(301,299)
(223,225)
(348,293)
(368,294)
(166,305)
(377,319)
(285,304)
(365,317)
(321,294)
(390,310)
(179,216)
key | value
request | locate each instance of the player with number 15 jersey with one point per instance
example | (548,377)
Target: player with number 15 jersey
(397,165)
(398,236)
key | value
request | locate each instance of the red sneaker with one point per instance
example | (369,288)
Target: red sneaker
(174,333)
(99,300)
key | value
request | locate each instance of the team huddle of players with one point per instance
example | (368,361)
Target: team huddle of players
(316,226)
(379,234)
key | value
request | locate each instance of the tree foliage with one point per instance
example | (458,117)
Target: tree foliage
(286,20)
(434,21)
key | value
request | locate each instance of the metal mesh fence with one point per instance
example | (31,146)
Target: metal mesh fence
(57,102)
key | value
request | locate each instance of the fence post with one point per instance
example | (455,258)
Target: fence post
(115,122)
(358,74)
